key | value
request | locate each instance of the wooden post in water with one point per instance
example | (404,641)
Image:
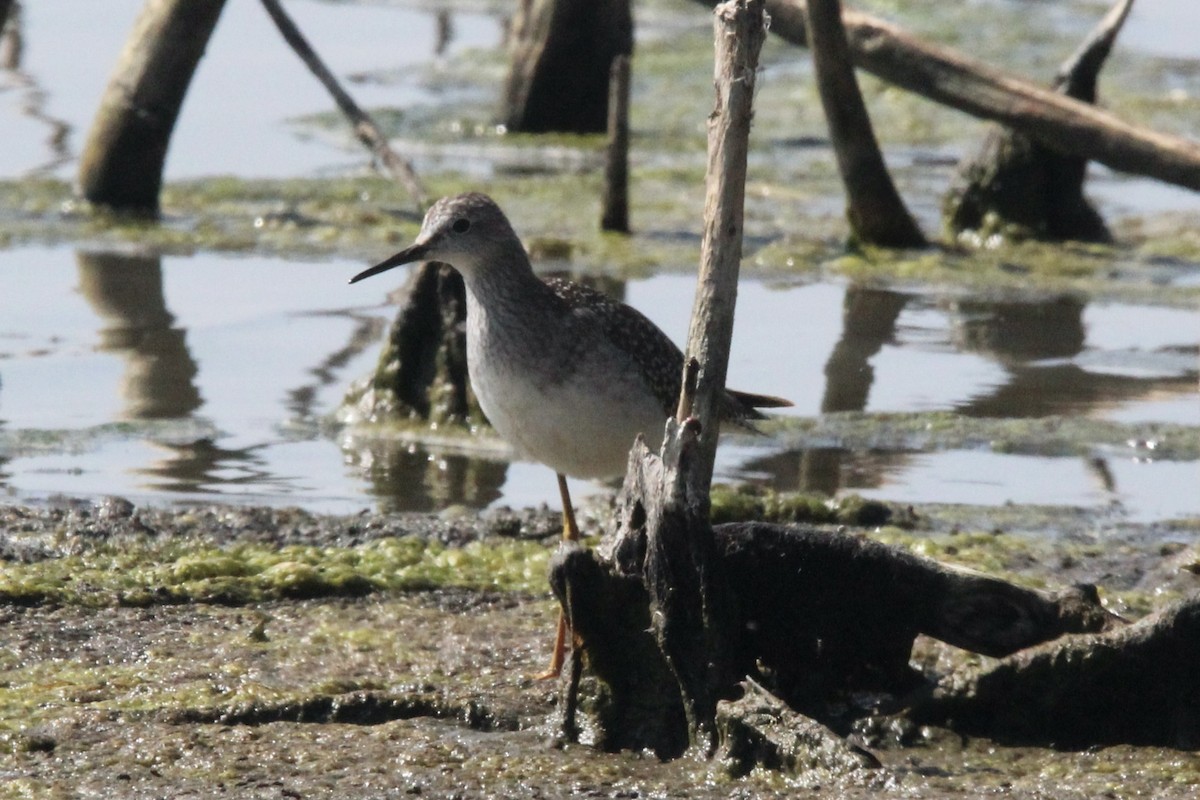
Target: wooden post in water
(615,216)
(122,161)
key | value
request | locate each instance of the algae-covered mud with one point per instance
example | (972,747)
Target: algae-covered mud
(212,585)
(279,653)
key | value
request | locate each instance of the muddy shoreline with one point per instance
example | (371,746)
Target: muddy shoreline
(298,686)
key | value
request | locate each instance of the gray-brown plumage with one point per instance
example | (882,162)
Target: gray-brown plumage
(567,375)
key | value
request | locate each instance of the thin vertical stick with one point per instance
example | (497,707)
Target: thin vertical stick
(739,33)
(616,166)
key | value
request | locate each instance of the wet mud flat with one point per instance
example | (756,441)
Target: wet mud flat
(253,652)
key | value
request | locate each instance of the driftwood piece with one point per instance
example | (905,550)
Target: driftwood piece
(812,614)
(875,210)
(945,76)
(561,52)
(122,161)
(1137,684)
(1017,184)
(615,202)
(364,126)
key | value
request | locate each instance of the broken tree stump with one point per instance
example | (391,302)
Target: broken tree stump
(812,615)
(561,53)
(1017,185)
(422,369)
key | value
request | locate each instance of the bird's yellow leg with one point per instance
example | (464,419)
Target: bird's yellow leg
(570,529)
(570,534)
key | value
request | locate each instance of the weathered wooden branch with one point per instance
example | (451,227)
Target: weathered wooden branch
(876,212)
(364,126)
(122,161)
(952,79)
(1018,186)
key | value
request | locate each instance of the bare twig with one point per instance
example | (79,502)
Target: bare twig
(364,127)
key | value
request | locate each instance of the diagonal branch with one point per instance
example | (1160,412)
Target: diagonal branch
(364,127)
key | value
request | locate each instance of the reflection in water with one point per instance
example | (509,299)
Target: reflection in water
(406,477)
(126,291)
(1019,335)
(201,467)
(34,97)
(868,323)
(1013,332)
(368,330)
(1033,341)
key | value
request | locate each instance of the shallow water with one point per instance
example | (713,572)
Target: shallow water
(211,376)
(148,377)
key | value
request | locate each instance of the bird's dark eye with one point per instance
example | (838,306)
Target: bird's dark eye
(461,225)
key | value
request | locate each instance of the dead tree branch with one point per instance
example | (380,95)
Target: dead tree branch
(364,126)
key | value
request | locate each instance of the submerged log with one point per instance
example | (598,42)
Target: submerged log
(1016,183)
(122,161)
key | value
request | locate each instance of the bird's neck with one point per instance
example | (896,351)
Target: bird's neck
(503,291)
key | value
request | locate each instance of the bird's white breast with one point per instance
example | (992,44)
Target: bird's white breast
(575,424)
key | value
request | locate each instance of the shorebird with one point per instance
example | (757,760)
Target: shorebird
(565,374)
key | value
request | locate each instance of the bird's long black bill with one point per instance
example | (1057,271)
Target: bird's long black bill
(406,256)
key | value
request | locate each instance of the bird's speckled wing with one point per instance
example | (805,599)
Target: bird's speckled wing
(660,361)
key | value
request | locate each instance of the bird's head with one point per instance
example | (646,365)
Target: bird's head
(464,231)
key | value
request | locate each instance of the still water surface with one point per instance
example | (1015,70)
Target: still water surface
(207,377)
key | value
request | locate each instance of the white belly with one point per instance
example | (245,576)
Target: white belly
(579,428)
